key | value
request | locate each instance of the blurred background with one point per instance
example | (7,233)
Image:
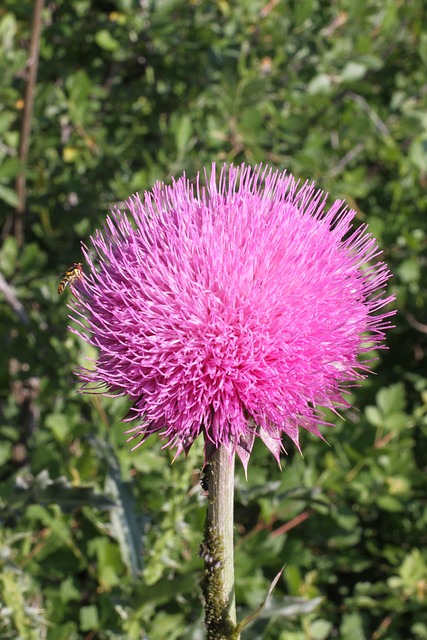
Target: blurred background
(97,542)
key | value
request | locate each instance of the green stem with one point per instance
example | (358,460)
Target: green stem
(217,549)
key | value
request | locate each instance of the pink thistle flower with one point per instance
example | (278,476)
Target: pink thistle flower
(231,310)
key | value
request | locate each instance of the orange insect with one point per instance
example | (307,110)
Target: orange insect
(73,273)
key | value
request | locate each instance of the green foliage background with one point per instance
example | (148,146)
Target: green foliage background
(98,542)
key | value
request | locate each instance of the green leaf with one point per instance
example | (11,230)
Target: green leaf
(353,71)
(352,627)
(391,399)
(320,629)
(390,503)
(89,619)
(422,47)
(320,84)
(7,32)
(397,421)
(42,490)
(409,270)
(126,523)
(9,168)
(418,153)
(8,195)
(105,40)
(8,256)
(109,565)
(183,132)
(68,590)
(374,416)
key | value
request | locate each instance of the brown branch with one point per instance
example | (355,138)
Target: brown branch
(24,141)
(292,523)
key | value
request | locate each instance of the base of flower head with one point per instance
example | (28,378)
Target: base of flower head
(241,446)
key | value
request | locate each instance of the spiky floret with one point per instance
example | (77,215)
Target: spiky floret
(232,309)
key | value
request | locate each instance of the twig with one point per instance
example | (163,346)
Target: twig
(24,141)
(360,100)
(419,326)
(348,157)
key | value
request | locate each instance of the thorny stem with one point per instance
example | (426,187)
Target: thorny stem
(217,549)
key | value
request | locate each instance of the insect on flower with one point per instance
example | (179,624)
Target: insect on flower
(73,273)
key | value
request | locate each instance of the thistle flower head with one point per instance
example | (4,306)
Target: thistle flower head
(234,309)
